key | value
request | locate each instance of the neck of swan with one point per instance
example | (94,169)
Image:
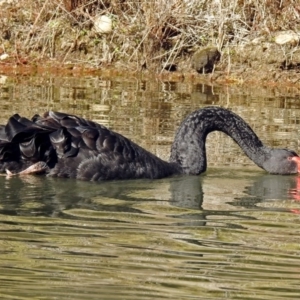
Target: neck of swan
(188,150)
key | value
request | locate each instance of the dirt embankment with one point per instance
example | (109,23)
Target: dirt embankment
(258,42)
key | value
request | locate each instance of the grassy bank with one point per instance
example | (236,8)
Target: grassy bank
(146,35)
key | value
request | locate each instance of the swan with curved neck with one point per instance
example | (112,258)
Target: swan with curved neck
(65,145)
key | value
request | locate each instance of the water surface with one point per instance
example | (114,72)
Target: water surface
(231,233)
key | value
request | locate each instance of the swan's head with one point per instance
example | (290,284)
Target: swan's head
(282,161)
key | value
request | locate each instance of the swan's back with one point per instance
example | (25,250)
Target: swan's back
(65,145)
(75,147)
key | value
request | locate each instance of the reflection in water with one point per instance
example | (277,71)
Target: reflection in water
(229,234)
(39,196)
(182,232)
(269,188)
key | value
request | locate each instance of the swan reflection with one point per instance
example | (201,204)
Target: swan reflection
(198,196)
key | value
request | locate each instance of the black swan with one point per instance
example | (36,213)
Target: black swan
(63,145)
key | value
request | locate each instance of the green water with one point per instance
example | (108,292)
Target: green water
(231,233)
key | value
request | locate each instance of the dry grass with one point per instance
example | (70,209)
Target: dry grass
(146,34)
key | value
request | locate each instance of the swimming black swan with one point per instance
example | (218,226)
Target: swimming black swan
(65,145)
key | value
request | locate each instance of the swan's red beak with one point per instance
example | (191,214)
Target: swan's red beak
(296,159)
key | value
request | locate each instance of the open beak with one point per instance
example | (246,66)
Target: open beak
(296,159)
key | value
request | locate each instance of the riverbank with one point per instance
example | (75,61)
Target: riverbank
(259,43)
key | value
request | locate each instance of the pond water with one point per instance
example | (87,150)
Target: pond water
(231,233)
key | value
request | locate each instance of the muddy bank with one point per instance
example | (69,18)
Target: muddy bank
(241,74)
(250,64)
(146,40)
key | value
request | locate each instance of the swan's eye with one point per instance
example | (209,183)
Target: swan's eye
(290,158)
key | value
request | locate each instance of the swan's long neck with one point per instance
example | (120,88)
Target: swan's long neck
(188,149)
